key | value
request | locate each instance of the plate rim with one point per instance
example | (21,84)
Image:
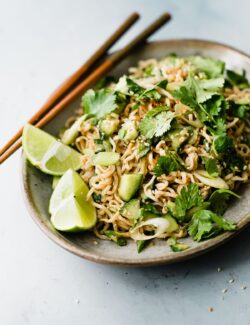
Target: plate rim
(178,257)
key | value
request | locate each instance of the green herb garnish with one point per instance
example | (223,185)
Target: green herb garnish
(189,197)
(211,167)
(99,103)
(177,246)
(219,199)
(206,224)
(169,163)
(156,122)
(141,245)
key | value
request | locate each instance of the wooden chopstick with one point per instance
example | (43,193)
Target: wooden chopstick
(67,85)
(100,71)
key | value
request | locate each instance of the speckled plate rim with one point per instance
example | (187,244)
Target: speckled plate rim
(178,257)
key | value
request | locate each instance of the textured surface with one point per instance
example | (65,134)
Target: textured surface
(41,43)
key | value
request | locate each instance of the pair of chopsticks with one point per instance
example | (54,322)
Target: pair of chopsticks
(86,76)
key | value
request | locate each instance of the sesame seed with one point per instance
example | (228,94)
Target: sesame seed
(224,290)
(210,309)
(219,269)
(231,281)
(77,301)
(243,287)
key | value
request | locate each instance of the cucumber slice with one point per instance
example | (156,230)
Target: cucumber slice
(105,158)
(173,225)
(88,152)
(129,185)
(102,145)
(178,137)
(108,127)
(131,209)
(71,134)
(128,131)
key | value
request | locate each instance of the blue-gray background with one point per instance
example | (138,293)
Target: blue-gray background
(42,42)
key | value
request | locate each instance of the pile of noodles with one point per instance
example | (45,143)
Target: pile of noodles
(104,181)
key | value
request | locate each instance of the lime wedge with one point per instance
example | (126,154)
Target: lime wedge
(74,215)
(68,206)
(70,184)
(47,153)
(55,181)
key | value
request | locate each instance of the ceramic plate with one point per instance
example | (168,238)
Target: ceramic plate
(37,186)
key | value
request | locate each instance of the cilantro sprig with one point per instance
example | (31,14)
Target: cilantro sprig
(156,122)
(219,199)
(189,197)
(168,163)
(204,97)
(211,167)
(237,79)
(102,102)
(206,224)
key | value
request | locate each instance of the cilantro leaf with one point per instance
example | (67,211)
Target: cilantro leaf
(116,237)
(134,87)
(202,96)
(99,103)
(234,161)
(188,198)
(204,89)
(130,87)
(97,197)
(167,164)
(206,224)
(211,167)
(186,96)
(153,112)
(163,123)
(152,93)
(216,106)
(104,82)
(223,144)
(219,127)
(147,207)
(218,200)
(224,147)
(239,110)
(175,246)
(215,117)
(156,122)
(162,84)
(236,79)
(212,67)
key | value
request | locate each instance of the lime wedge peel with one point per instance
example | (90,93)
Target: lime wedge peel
(68,206)
(47,153)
